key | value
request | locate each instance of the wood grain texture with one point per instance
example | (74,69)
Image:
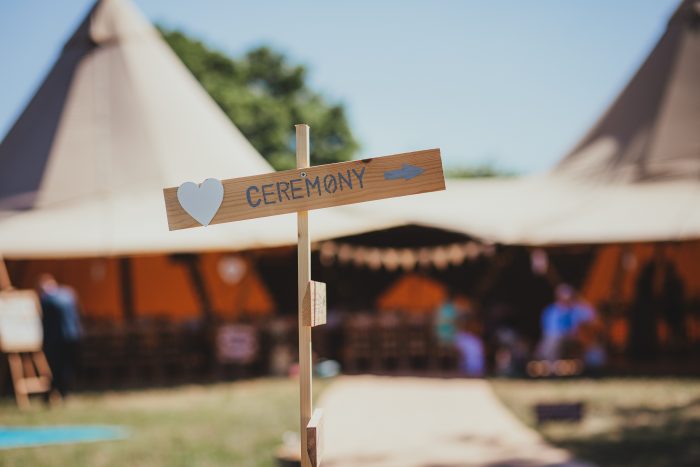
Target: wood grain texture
(314,438)
(323,186)
(314,305)
(30,375)
(303,278)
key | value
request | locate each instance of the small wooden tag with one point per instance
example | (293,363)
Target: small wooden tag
(314,304)
(314,437)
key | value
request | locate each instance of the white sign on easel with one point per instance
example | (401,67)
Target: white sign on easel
(22,338)
(20,322)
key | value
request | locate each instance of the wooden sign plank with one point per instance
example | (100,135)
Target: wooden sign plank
(314,438)
(314,305)
(308,188)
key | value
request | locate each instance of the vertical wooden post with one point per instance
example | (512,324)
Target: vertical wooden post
(303,277)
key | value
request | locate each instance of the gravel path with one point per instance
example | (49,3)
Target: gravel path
(418,422)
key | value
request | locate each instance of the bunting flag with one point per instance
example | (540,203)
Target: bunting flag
(406,259)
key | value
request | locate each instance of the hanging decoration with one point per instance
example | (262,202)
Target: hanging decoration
(539,261)
(406,259)
(231,269)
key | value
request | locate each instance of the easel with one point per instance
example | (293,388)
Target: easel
(300,190)
(29,368)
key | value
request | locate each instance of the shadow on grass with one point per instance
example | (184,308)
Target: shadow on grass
(647,438)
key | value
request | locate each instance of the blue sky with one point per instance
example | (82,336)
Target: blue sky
(513,83)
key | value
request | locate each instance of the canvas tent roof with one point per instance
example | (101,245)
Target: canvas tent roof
(651,132)
(117,112)
(118,99)
(635,176)
(117,119)
(548,210)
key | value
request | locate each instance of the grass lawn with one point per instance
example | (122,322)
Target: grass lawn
(628,422)
(237,424)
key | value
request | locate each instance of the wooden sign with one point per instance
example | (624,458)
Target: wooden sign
(20,322)
(300,190)
(236,343)
(314,438)
(314,306)
(323,186)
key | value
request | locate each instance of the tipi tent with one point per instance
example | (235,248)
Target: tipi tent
(635,176)
(651,132)
(117,119)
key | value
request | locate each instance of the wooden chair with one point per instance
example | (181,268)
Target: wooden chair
(103,361)
(443,359)
(416,335)
(144,366)
(388,349)
(357,343)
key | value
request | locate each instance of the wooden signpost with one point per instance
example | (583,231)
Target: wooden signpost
(300,190)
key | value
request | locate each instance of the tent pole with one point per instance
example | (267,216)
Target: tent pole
(616,297)
(192,263)
(501,261)
(303,277)
(5,283)
(127,287)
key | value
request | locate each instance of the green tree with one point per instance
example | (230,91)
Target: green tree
(265,95)
(484,170)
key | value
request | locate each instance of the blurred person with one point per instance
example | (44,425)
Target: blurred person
(589,336)
(512,353)
(62,331)
(470,346)
(561,322)
(659,294)
(445,322)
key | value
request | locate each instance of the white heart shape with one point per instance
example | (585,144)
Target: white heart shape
(201,201)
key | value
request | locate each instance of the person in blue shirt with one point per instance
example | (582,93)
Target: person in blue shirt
(62,331)
(560,322)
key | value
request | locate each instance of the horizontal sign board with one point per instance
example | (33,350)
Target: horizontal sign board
(20,322)
(215,202)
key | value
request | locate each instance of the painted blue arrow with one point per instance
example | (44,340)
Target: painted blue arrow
(407,172)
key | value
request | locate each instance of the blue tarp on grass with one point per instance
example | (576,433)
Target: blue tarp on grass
(17,437)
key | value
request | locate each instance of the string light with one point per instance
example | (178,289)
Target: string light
(407,259)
